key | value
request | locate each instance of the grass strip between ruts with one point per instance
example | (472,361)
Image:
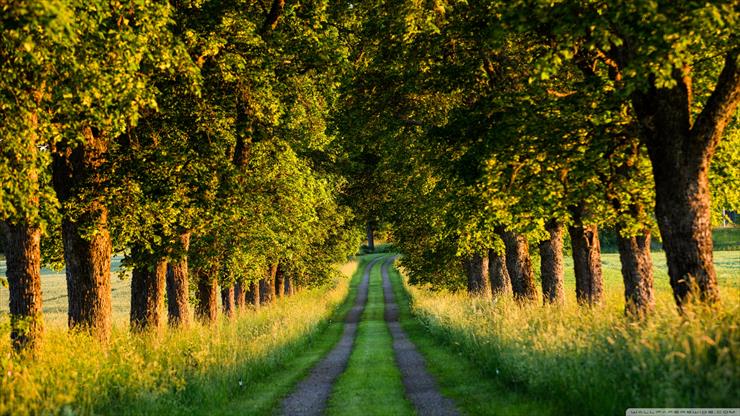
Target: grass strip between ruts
(371,384)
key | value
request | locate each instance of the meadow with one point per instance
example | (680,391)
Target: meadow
(596,361)
(251,360)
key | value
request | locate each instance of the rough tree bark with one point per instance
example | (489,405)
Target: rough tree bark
(240,296)
(634,248)
(519,266)
(227,301)
(267,286)
(87,254)
(551,264)
(586,259)
(178,286)
(23,270)
(498,274)
(253,294)
(207,310)
(681,155)
(147,295)
(476,269)
(637,273)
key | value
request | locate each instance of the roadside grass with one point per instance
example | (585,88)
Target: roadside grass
(595,361)
(458,377)
(371,384)
(237,366)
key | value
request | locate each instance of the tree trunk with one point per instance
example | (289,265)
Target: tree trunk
(279,282)
(207,310)
(498,274)
(178,286)
(23,270)
(227,300)
(637,272)
(681,154)
(519,266)
(288,286)
(147,295)
(240,296)
(476,269)
(586,260)
(267,286)
(253,294)
(86,240)
(551,264)
(370,239)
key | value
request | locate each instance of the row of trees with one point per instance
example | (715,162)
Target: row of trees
(503,123)
(189,136)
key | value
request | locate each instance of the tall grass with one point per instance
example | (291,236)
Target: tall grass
(595,361)
(174,374)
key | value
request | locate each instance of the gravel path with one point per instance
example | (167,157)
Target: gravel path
(311,395)
(421,389)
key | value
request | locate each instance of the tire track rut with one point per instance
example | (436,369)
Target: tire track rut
(421,388)
(311,395)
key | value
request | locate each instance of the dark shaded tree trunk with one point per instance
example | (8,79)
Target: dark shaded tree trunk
(23,270)
(681,154)
(370,237)
(240,296)
(476,270)
(147,295)
(498,274)
(288,285)
(178,286)
(586,259)
(273,16)
(227,301)
(551,264)
(253,294)
(279,282)
(637,273)
(207,309)
(519,266)
(87,254)
(267,286)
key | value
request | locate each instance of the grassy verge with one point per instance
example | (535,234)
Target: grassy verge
(371,384)
(459,378)
(594,361)
(234,367)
